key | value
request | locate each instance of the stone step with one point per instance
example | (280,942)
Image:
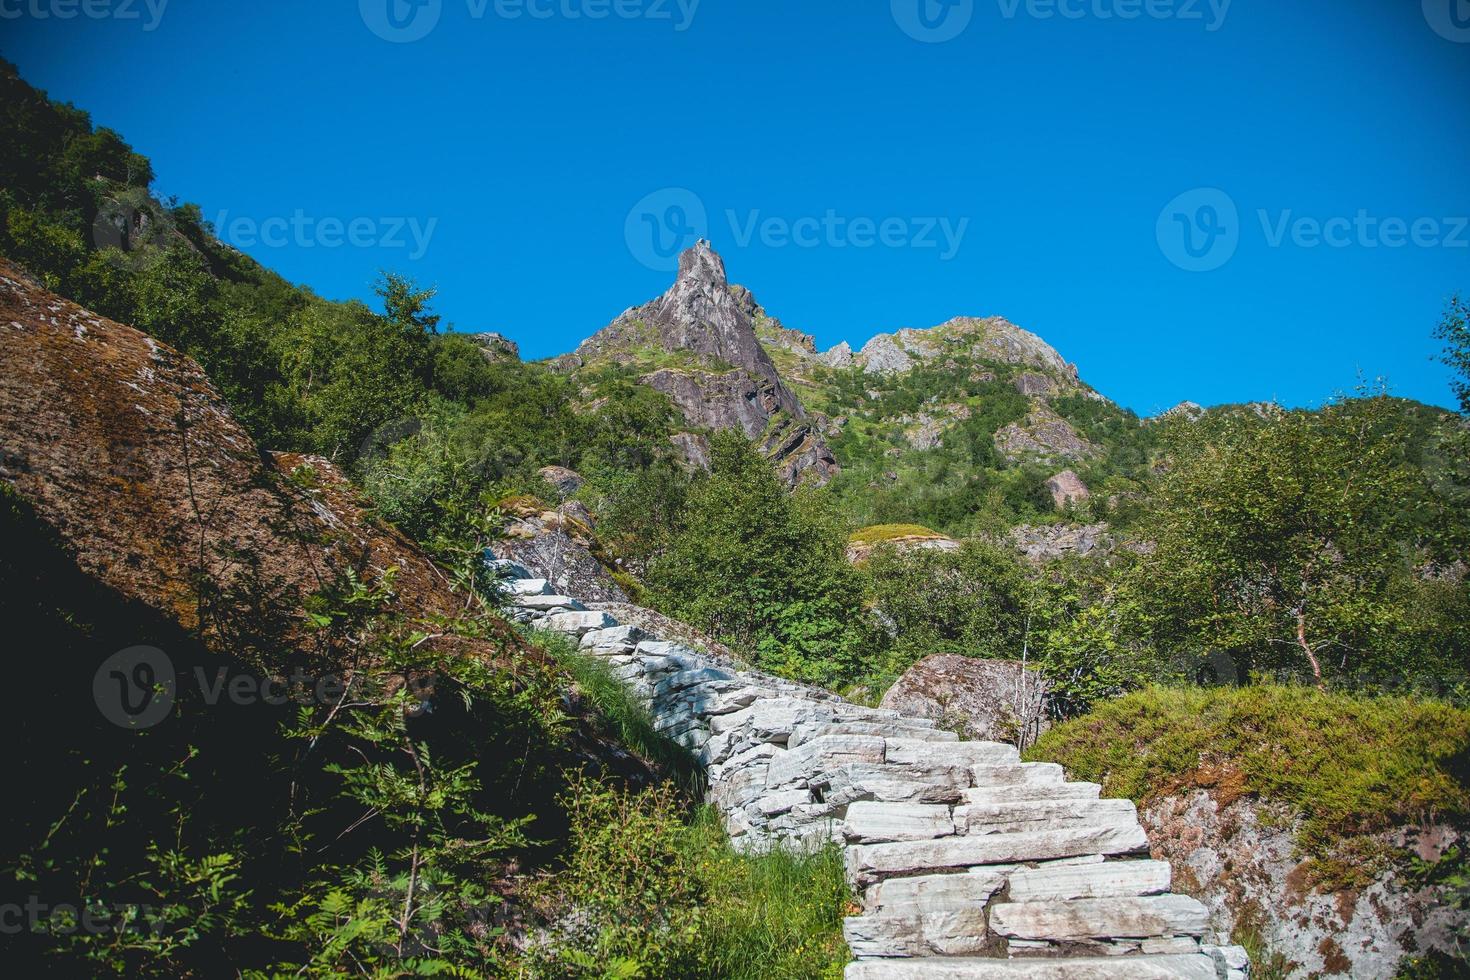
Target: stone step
(1033,791)
(956,890)
(917,728)
(1016,817)
(828,752)
(613,640)
(920,752)
(579,623)
(871,822)
(1017,774)
(1112,879)
(1101,918)
(917,930)
(892,784)
(1166,967)
(868,863)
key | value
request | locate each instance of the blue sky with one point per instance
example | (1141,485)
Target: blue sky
(1315,154)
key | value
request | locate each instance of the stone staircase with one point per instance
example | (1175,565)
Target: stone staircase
(970,863)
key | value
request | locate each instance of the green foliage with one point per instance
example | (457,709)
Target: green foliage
(658,896)
(974,602)
(761,569)
(1296,542)
(1347,766)
(628,720)
(1454,331)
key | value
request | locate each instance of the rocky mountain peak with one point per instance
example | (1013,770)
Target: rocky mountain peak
(701,263)
(700,343)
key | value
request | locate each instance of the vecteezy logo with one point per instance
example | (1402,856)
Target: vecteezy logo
(135,688)
(664,224)
(933,21)
(401,21)
(1450,19)
(1199,230)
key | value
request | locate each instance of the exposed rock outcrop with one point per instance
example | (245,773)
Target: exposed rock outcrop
(990,700)
(989,338)
(1043,435)
(727,379)
(565,481)
(560,546)
(1049,542)
(125,449)
(900,537)
(497,347)
(1067,488)
(1241,861)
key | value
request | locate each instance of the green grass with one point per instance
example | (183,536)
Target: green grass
(1348,766)
(888,532)
(627,719)
(769,916)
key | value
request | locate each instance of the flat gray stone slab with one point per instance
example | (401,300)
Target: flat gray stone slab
(867,863)
(1172,967)
(871,822)
(1029,815)
(1101,918)
(547,602)
(1112,879)
(579,623)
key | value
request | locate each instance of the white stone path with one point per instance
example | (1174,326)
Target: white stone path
(969,862)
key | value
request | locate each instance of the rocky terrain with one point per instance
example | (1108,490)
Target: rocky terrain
(1239,857)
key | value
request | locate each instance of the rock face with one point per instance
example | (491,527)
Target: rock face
(1241,862)
(1044,435)
(990,338)
(1067,488)
(497,347)
(566,482)
(1049,542)
(991,700)
(124,448)
(726,380)
(557,545)
(970,863)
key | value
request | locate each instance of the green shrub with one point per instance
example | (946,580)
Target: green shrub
(647,894)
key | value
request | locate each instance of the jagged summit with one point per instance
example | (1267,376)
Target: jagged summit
(698,345)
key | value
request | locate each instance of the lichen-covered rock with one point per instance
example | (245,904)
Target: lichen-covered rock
(900,537)
(997,700)
(1242,862)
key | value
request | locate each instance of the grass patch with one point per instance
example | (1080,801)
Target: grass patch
(887,532)
(658,892)
(1348,766)
(627,719)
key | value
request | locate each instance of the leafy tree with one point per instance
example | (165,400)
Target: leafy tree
(974,602)
(1454,330)
(762,569)
(1289,540)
